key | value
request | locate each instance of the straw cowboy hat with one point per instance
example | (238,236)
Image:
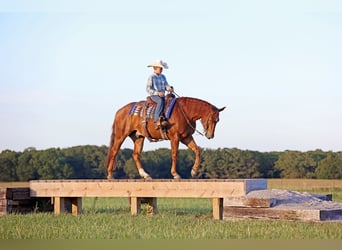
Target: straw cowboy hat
(159,63)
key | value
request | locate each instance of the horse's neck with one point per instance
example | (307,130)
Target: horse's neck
(194,108)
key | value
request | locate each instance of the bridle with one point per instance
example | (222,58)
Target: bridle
(188,121)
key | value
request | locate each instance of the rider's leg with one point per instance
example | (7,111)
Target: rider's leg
(159,108)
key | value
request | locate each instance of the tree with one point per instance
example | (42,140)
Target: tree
(330,167)
(230,163)
(266,164)
(8,164)
(25,170)
(296,164)
(51,164)
(88,162)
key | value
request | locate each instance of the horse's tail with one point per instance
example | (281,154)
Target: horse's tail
(111,143)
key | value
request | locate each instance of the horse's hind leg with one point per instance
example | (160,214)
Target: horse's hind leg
(113,150)
(191,144)
(138,146)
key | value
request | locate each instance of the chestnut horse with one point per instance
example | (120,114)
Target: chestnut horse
(185,113)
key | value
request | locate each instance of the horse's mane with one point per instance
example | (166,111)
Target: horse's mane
(196,101)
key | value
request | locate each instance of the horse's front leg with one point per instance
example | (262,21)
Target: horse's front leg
(174,155)
(191,144)
(138,146)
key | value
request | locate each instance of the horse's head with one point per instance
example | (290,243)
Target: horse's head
(210,120)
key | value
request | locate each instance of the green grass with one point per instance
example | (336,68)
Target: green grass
(109,218)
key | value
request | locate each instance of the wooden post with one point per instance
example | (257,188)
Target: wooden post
(76,205)
(151,203)
(152,206)
(135,205)
(59,205)
(218,208)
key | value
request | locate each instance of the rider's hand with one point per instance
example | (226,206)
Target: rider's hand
(161,94)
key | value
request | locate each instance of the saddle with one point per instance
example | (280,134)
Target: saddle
(165,114)
(146,109)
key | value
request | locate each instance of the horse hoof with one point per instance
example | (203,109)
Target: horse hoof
(148,178)
(193,173)
(110,177)
(177,177)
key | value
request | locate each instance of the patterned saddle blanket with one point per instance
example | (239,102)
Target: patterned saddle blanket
(148,107)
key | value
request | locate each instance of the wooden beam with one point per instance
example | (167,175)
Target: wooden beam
(283,214)
(245,201)
(154,188)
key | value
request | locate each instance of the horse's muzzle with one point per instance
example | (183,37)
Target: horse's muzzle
(209,136)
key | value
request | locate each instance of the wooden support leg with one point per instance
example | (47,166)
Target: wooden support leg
(60,202)
(59,205)
(76,205)
(135,205)
(152,206)
(218,208)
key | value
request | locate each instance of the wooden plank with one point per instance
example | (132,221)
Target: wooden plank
(217,208)
(281,214)
(244,201)
(20,193)
(3,192)
(109,188)
(3,207)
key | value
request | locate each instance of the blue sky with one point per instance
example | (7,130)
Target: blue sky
(67,66)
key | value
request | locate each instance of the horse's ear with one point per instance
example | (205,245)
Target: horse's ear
(221,109)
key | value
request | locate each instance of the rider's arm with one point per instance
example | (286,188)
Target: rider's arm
(149,88)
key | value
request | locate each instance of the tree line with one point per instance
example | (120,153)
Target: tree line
(88,162)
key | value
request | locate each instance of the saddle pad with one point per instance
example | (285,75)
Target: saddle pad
(138,108)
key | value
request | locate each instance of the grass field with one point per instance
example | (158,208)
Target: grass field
(109,218)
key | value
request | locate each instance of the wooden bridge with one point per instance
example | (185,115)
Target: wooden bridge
(63,191)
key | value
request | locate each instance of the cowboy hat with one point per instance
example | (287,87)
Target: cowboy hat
(159,63)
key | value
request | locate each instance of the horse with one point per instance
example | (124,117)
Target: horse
(182,125)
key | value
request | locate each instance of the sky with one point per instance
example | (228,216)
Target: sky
(67,66)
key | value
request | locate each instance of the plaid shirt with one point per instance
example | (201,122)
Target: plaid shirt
(156,83)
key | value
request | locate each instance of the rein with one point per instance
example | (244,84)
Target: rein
(186,117)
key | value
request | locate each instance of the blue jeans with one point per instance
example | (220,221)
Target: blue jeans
(160,106)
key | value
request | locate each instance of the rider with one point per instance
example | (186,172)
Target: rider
(156,87)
